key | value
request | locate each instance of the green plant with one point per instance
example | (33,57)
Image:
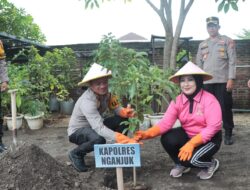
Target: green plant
(134,78)
(63,65)
(62,95)
(33,107)
(18,79)
(132,124)
(33,79)
(40,77)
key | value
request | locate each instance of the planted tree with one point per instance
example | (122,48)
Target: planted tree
(134,78)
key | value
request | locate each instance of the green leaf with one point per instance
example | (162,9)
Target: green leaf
(87,2)
(96,3)
(234,6)
(226,7)
(221,5)
(18,100)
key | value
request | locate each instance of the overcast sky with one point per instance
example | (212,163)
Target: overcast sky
(67,21)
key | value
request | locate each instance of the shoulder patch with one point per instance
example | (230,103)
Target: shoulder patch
(204,44)
(113,102)
(2,52)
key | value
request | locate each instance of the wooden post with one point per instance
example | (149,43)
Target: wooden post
(13,113)
(119,176)
(134,176)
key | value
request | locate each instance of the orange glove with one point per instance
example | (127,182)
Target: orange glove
(187,149)
(127,112)
(148,134)
(122,139)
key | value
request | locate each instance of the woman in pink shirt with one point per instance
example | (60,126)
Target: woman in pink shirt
(199,137)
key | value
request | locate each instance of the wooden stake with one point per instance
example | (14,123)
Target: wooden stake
(119,176)
(134,176)
(13,113)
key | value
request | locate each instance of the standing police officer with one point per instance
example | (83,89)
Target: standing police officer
(217,56)
(4,86)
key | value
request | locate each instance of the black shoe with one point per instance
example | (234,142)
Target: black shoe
(228,140)
(78,162)
(2,147)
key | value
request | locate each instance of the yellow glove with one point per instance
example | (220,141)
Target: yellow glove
(148,134)
(187,149)
(127,112)
(122,139)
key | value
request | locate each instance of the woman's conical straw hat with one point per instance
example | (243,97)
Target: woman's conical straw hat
(190,69)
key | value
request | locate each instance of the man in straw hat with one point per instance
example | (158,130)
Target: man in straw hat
(199,137)
(88,125)
(217,56)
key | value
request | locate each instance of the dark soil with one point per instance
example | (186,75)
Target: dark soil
(30,167)
(40,161)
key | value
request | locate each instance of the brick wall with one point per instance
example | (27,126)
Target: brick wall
(241,93)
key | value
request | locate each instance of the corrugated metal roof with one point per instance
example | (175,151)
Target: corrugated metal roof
(13,44)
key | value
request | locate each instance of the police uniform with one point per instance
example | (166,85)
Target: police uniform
(3,66)
(217,56)
(91,121)
(3,78)
(92,112)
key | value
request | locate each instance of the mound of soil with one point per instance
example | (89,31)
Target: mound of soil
(30,167)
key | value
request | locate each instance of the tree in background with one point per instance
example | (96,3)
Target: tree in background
(163,8)
(244,35)
(226,4)
(16,22)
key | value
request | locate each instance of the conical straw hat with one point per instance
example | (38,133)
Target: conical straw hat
(190,69)
(96,71)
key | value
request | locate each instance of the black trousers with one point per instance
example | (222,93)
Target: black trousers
(174,139)
(86,137)
(226,102)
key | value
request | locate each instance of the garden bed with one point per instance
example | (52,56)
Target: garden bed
(42,163)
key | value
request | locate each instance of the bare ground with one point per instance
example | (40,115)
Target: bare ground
(41,162)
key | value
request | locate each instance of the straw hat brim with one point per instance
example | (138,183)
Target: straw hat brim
(190,69)
(86,82)
(175,78)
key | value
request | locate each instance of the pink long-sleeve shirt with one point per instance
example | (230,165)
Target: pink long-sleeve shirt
(205,119)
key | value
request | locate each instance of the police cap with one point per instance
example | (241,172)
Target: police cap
(212,20)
